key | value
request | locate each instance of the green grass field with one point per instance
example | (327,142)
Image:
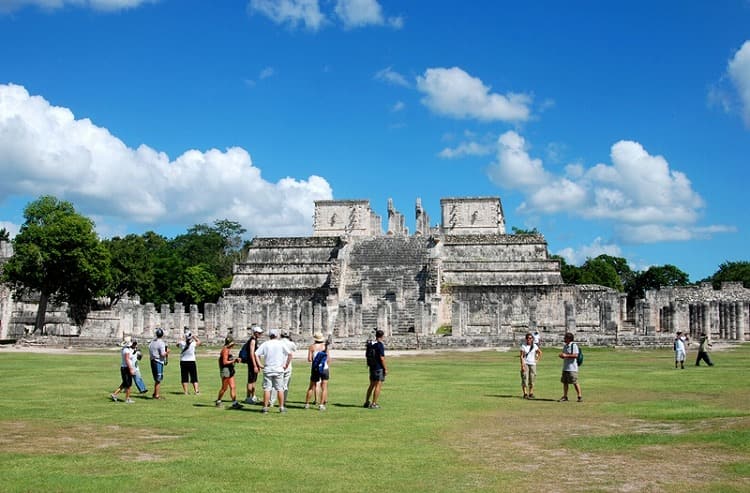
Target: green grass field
(449,422)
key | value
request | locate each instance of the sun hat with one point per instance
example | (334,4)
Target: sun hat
(228,341)
(126,341)
(318,337)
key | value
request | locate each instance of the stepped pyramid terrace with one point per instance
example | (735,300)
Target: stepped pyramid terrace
(465,277)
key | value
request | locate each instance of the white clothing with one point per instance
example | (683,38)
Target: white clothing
(529,350)
(570,364)
(274,354)
(126,355)
(189,353)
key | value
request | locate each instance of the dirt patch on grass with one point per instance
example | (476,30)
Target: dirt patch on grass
(546,451)
(44,438)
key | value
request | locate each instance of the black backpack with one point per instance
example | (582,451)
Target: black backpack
(245,352)
(371,353)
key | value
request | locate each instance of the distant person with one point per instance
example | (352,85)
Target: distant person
(137,378)
(127,370)
(537,338)
(703,348)
(226,370)
(377,370)
(249,357)
(679,350)
(188,365)
(569,355)
(318,387)
(286,338)
(276,358)
(158,354)
(529,355)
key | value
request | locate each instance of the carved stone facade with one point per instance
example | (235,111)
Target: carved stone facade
(349,277)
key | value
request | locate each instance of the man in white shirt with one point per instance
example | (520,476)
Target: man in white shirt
(530,354)
(276,357)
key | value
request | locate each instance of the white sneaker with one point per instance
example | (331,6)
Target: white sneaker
(114,397)
(322,407)
(129,401)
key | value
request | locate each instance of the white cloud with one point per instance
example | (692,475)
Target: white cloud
(392,77)
(308,13)
(361,13)
(739,73)
(514,167)
(266,73)
(596,248)
(398,106)
(639,193)
(466,149)
(101,5)
(294,13)
(453,92)
(45,150)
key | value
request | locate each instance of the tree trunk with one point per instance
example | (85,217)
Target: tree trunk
(41,314)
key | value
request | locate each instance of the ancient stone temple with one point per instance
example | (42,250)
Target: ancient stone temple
(466,274)
(465,277)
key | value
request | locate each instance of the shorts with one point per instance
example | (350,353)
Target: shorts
(377,375)
(227,372)
(273,380)
(189,371)
(252,377)
(528,377)
(127,378)
(157,370)
(569,377)
(317,376)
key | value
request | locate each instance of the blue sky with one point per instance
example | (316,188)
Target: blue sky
(611,127)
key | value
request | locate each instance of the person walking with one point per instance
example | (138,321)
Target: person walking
(530,354)
(705,345)
(569,355)
(318,387)
(226,370)
(137,379)
(188,365)
(377,370)
(127,370)
(158,354)
(276,358)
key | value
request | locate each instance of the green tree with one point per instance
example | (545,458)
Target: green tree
(58,254)
(200,285)
(570,273)
(656,277)
(4,235)
(603,271)
(131,267)
(732,272)
(520,231)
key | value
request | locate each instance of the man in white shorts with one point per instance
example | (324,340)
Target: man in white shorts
(276,357)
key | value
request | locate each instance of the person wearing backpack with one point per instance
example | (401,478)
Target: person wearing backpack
(318,357)
(569,355)
(530,354)
(377,369)
(247,356)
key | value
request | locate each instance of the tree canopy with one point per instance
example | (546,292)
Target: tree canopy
(58,254)
(732,272)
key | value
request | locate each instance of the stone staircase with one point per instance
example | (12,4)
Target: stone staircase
(387,271)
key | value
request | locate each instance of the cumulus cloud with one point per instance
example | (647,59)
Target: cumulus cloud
(101,5)
(44,149)
(453,92)
(578,256)
(739,73)
(639,193)
(309,14)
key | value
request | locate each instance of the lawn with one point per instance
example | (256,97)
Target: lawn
(449,422)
